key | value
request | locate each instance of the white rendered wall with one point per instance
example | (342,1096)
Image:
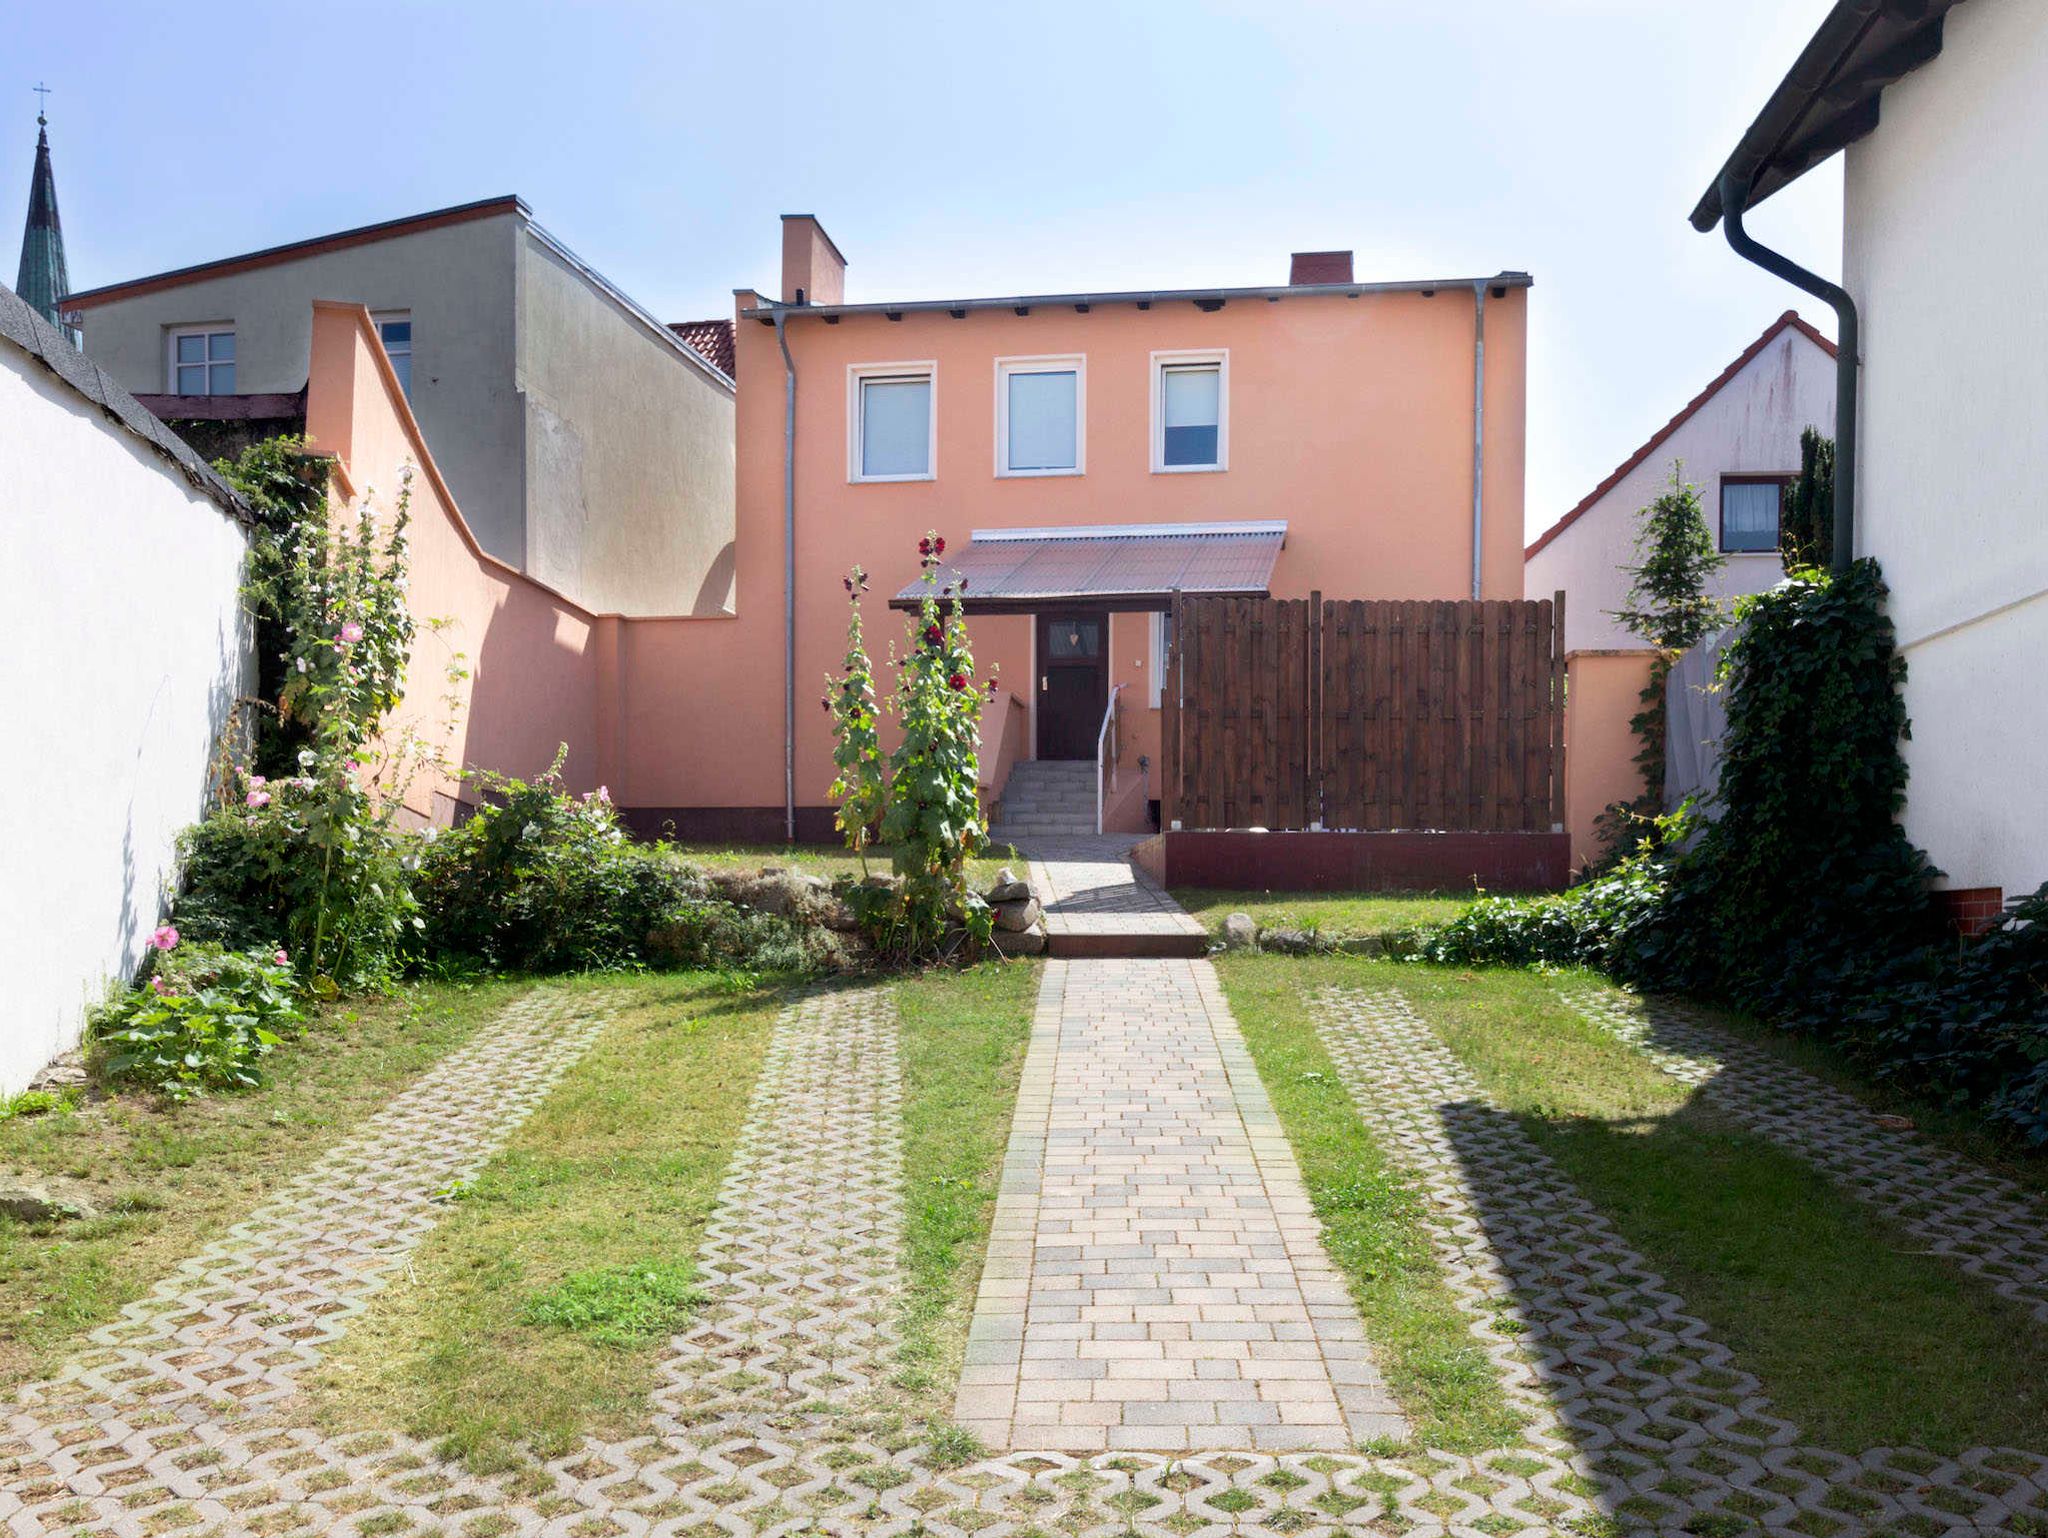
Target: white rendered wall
(1750,426)
(1945,219)
(125,648)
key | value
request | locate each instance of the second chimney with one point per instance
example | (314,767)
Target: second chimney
(813,271)
(1316,267)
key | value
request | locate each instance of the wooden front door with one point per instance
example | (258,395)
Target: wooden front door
(1073,683)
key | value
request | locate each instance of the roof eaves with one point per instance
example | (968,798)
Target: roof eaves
(767,309)
(1790,320)
(271,256)
(1830,97)
(50,347)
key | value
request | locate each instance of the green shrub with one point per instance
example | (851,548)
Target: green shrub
(309,860)
(714,933)
(204,1020)
(540,880)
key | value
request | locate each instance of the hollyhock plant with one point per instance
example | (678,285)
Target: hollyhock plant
(933,819)
(859,786)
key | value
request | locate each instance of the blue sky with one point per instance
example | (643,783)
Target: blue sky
(972,149)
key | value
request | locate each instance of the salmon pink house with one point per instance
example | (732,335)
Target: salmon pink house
(1084,455)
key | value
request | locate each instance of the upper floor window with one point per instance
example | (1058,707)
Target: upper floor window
(1190,410)
(890,424)
(1040,407)
(202,361)
(394,330)
(1751,506)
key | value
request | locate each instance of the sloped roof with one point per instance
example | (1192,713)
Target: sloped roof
(1830,97)
(49,346)
(1790,318)
(712,338)
(1011,570)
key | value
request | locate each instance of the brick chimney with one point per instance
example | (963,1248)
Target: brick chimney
(1316,267)
(813,271)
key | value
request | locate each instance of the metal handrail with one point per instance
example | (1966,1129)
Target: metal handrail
(1108,749)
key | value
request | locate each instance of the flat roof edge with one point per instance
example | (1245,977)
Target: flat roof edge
(1503,279)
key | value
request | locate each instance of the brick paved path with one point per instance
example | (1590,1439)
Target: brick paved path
(1090,887)
(1976,1219)
(1155,1278)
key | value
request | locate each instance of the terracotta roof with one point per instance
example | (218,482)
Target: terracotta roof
(271,256)
(711,338)
(1012,570)
(1789,318)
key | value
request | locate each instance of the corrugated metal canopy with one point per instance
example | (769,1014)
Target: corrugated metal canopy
(1128,566)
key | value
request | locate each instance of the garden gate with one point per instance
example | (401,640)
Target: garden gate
(1364,714)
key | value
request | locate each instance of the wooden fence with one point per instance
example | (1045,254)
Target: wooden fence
(1293,713)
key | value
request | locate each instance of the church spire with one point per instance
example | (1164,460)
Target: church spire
(42,279)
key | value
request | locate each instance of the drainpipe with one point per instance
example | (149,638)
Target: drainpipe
(1734,194)
(1478,431)
(788,582)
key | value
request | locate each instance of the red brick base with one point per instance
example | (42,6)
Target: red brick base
(1971,910)
(1358,862)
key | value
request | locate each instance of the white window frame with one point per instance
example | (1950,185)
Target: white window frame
(1161,361)
(377,319)
(1048,363)
(1157,630)
(209,329)
(856,375)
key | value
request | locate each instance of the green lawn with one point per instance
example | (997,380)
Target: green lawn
(1372,1217)
(830,861)
(538,1310)
(1857,1333)
(494,1342)
(170,1178)
(1333,913)
(964,1035)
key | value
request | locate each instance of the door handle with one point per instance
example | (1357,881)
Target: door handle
(1044,682)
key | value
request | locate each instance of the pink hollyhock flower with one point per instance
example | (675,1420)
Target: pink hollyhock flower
(156,986)
(257,782)
(350,633)
(257,798)
(164,938)
(282,958)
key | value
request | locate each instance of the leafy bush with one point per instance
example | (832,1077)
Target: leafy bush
(1805,903)
(539,880)
(309,860)
(714,933)
(204,1020)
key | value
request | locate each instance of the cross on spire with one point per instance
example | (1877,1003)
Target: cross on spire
(42,106)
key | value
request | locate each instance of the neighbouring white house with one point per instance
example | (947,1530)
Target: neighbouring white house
(1939,105)
(1738,441)
(121,568)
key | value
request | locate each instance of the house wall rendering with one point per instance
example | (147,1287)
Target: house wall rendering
(122,586)
(1351,418)
(1745,426)
(459,282)
(1942,202)
(587,445)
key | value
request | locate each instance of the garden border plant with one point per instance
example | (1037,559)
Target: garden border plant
(1804,902)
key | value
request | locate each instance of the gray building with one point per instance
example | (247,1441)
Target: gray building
(586,442)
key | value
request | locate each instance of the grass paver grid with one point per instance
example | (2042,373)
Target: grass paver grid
(1625,1390)
(775,1415)
(1975,1218)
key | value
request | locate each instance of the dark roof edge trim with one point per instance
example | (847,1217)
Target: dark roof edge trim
(1505,279)
(42,342)
(1822,105)
(270,256)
